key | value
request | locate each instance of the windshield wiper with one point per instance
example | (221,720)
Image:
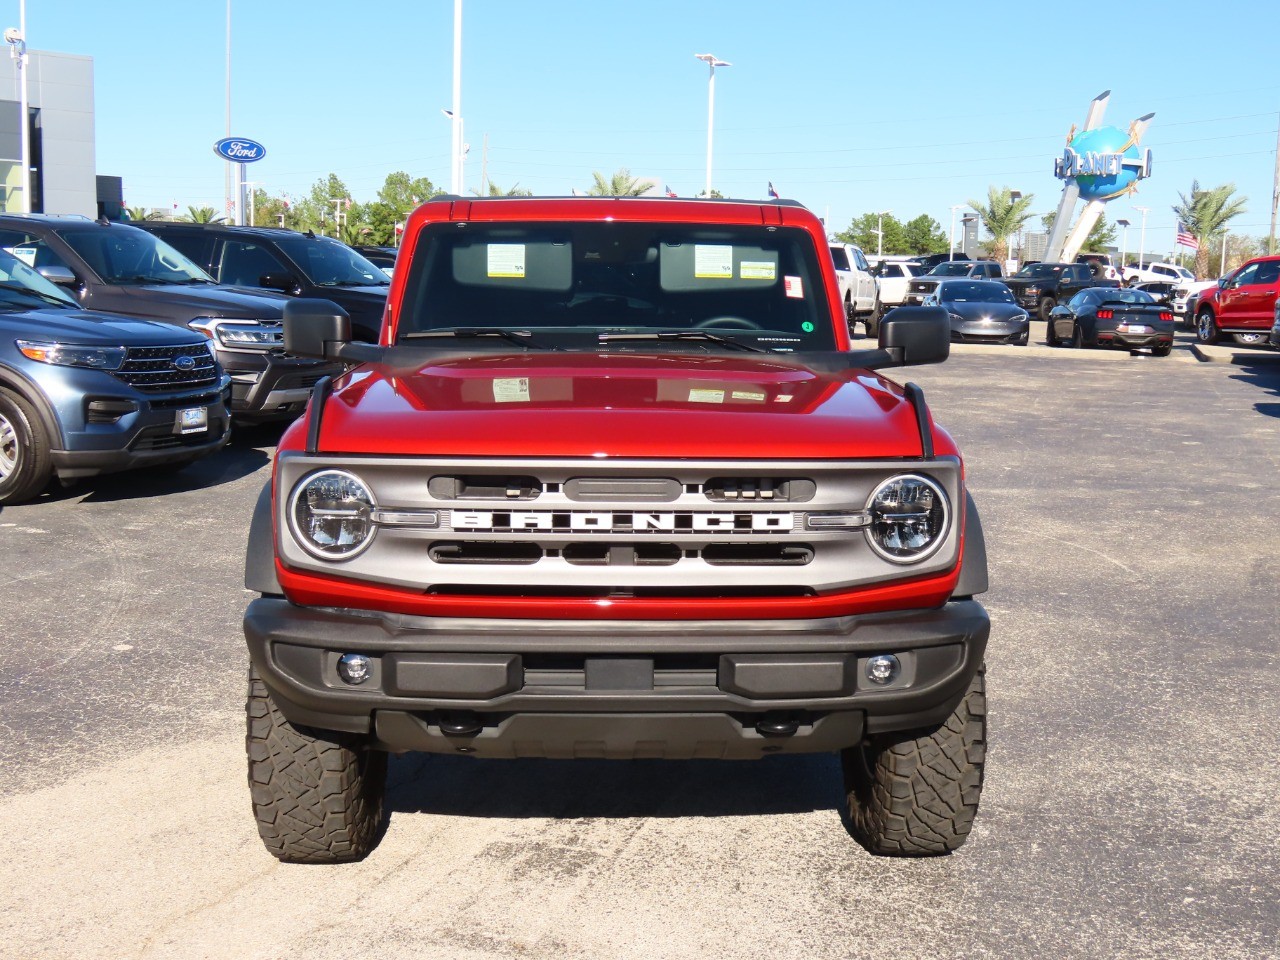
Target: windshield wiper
(521,338)
(27,291)
(682,335)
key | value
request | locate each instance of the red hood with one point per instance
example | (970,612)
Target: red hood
(616,406)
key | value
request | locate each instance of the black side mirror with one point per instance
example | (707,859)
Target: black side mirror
(284,282)
(916,335)
(315,328)
(59,275)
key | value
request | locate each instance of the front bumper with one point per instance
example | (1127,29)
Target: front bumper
(979,332)
(270,386)
(702,688)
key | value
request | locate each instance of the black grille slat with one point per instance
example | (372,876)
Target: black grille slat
(152,370)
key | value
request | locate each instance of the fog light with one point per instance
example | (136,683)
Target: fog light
(354,669)
(883,668)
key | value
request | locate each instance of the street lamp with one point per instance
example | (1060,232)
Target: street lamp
(880,231)
(1124,242)
(1142,238)
(455,114)
(951,249)
(1014,197)
(712,61)
(458,173)
(17,40)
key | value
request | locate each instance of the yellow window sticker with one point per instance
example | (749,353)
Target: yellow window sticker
(751,395)
(506,260)
(759,270)
(712,262)
(697,395)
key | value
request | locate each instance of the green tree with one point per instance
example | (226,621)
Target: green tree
(862,231)
(1002,216)
(1206,214)
(203,215)
(621,184)
(141,213)
(496,191)
(924,235)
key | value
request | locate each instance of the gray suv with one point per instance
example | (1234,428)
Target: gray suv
(83,392)
(121,269)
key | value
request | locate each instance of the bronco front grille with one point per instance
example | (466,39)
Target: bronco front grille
(163,369)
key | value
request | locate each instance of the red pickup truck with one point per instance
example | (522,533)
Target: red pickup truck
(1242,305)
(612,484)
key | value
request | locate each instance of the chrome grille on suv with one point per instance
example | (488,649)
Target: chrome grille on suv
(157,369)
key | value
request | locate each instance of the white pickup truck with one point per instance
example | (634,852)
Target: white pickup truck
(894,276)
(1152,272)
(858,287)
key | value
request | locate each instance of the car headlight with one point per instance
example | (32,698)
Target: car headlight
(71,355)
(241,334)
(331,514)
(1019,317)
(910,517)
(1033,291)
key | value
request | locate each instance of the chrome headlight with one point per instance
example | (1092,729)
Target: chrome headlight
(71,355)
(910,517)
(241,334)
(331,514)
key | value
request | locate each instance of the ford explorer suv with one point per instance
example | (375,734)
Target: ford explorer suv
(84,393)
(1242,304)
(288,262)
(613,485)
(120,269)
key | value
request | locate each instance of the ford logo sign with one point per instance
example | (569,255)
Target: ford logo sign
(185,363)
(239,149)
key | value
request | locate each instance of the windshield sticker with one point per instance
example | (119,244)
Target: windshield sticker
(511,389)
(712,263)
(795,288)
(758,270)
(506,260)
(749,395)
(697,395)
(26,254)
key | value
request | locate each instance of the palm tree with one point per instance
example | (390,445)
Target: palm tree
(1206,214)
(203,215)
(621,184)
(1003,217)
(496,191)
(141,213)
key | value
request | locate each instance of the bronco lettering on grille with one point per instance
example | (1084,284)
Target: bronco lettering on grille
(505,521)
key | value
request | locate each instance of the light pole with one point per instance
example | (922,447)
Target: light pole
(712,61)
(1014,197)
(951,249)
(880,231)
(17,40)
(458,175)
(1142,238)
(455,114)
(230,207)
(1124,242)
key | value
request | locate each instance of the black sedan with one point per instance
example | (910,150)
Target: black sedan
(982,311)
(1110,317)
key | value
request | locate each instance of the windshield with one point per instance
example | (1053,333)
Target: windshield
(22,287)
(953,268)
(1119,295)
(1040,270)
(956,291)
(120,254)
(579,285)
(326,262)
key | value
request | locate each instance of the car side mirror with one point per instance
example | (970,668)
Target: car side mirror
(315,328)
(59,275)
(916,335)
(284,282)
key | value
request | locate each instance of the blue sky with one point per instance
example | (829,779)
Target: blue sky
(847,107)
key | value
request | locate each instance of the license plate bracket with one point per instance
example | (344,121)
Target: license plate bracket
(191,420)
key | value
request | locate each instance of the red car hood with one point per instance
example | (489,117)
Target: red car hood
(616,406)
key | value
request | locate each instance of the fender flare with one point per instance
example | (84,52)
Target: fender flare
(260,554)
(29,391)
(973,559)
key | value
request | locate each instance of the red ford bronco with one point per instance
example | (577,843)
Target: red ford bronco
(613,484)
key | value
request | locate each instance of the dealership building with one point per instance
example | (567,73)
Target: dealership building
(63,176)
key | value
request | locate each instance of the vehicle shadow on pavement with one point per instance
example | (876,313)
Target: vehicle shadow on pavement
(1264,373)
(577,789)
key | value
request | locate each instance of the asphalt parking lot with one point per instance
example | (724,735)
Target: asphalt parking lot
(1132,514)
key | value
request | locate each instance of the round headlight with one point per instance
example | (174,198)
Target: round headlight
(331,514)
(909,518)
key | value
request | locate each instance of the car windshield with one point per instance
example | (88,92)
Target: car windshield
(975,291)
(628,285)
(1120,295)
(1040,270)
(127,255)
(22,288)
(953,268)
(328,263)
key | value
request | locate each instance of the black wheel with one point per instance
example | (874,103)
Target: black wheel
(1046,305)
(1051,335)
(1162,351)
(918,797)
(872,320)
(317,796)
(848,307)
(1207,331)
(1077,337)
(25,462)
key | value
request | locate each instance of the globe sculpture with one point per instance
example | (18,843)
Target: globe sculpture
(1103,143)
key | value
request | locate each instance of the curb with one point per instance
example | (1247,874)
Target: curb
(1207,354)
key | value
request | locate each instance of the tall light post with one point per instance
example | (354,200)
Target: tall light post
(1142,238)
(459,174)
(951,249)
(712,61)
(455,177)
(880,231)
(230,205)
(1124,242)
(17,40)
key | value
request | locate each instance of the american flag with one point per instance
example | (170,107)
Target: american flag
(670,192)
(773,194)
(1185,239)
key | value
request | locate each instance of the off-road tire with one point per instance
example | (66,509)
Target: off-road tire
(1051,338)
(1077,337)
(317,795)
(917,797)
(849,312)
(24,441)
(872,320)
(1207,331)
(1046,305)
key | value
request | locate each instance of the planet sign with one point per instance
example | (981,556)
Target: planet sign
(239,149)
(1105,163)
